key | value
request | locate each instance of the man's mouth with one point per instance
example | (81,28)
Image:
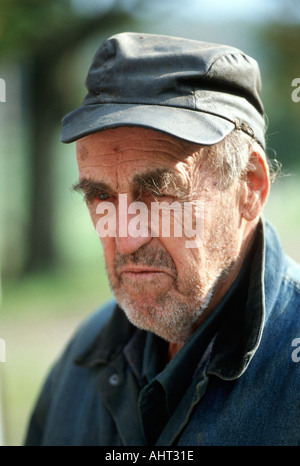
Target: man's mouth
(143,273)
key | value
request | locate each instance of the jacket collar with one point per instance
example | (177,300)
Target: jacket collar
(239,337)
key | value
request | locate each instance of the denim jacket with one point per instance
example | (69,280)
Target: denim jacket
(244,390)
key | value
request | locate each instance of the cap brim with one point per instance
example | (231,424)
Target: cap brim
(194,126)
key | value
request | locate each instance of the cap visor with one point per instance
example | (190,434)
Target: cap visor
(194,126)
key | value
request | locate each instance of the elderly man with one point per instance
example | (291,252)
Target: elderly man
(199,345)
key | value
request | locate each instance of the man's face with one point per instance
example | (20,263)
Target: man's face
(161,284)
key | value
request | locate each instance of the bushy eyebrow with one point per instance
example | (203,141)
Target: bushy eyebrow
(159,180)
(155,182)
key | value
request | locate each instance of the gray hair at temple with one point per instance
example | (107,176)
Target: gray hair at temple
(231,159)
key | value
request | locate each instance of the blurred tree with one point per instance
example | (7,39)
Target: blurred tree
(43,35)
(284,44)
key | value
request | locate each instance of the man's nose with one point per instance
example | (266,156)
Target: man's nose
(132,225)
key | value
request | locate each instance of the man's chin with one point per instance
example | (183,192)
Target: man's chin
(141,305)
(163,317)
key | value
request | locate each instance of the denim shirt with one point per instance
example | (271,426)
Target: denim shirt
(243,390)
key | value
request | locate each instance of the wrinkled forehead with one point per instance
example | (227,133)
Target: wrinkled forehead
(134,145)
(130,154)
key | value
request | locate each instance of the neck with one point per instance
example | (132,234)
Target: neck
(173,349)
(220,292)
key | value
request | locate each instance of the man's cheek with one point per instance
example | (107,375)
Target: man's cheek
(109,250)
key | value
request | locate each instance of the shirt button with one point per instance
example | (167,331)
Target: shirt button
(114,380)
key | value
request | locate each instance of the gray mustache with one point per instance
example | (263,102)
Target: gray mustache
(146,256)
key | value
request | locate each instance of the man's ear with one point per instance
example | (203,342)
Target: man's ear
(257,184)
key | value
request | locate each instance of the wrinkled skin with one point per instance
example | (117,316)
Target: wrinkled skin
(162,285)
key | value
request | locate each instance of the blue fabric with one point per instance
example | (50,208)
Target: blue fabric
(245,389)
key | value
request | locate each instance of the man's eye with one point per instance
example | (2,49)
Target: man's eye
(102,196)
(91,198)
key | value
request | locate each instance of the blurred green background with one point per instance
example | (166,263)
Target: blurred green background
(52,270)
